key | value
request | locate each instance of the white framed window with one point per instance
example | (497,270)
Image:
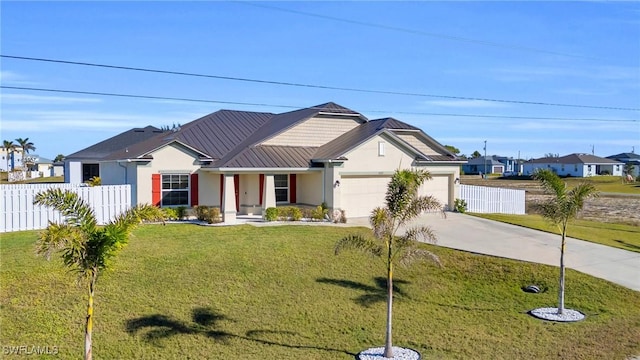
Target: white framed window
(281,182)
(380,148)
(175,189)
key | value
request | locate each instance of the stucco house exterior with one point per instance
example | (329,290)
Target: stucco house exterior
(494,164)
(578,165)
(245,162)
(628,158)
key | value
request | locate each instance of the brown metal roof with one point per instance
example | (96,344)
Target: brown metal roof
(116,143)
(264,156)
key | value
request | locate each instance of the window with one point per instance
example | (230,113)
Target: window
(281,183)
(175,189)
(89,171)
(380,148)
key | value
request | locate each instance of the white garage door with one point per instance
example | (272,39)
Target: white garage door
(437,187)
(361,194)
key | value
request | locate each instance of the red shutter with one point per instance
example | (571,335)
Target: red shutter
(156,189)
(292,188)
(194,189)
(221,189)
(236,187)
(261,187)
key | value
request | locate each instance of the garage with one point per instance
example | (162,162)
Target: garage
(361,194)
(437,187)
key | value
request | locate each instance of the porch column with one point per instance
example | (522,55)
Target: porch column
(229,200)
(268,193)
(454,191)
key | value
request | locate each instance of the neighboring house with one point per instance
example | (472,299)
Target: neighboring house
(245,162)
(491,164)
(12,158)
(628,158)
(578,165)
(43,166)
(57,169)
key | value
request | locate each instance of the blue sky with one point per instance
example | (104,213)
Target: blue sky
(579,53)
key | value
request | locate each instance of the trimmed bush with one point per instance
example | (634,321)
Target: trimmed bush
(170,213)
(182,212)
(460,205)
(319,213)
(271,214)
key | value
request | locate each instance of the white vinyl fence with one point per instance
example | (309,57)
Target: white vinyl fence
(490,200)
(18,213)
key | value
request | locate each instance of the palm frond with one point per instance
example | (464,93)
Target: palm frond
(381,223)
(76,211)
(551,183)
(56,237)
(358,242)
(420,233)
(413,254)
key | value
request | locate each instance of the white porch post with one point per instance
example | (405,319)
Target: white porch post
(268,193)
(229,200)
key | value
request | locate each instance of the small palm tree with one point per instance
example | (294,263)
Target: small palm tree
(26,146)
(86,248)
(10,147)
(562,207)
(403,204)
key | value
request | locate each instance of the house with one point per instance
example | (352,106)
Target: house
(245,161)
(578,165)
(628,158)
(491,164)
(10,159)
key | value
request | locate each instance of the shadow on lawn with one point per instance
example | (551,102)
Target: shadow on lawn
(205,321)
(373,294)
(628,245)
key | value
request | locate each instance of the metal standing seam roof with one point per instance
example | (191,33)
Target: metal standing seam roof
(116,143)
(232,139)
(249,152)
(574,159)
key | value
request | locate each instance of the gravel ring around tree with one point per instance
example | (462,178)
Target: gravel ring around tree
(399,353)
(551,314)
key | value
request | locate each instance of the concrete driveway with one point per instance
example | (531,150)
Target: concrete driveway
(465,232)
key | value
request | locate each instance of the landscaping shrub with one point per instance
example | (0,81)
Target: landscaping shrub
(201,212)
(460,205)
(181,211)
(339,216)
(319,213)
(170,213)
(271,214)
(289,213)
(307,213)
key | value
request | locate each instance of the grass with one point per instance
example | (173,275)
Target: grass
(621,236)
(188,292)
(607,184)
(40,180)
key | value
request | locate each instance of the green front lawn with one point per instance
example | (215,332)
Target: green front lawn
(621,236)
(189,292)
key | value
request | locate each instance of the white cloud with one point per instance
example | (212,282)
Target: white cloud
(24,99)
(13,78)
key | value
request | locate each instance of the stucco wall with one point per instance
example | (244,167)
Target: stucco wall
(171,159)
(309,188)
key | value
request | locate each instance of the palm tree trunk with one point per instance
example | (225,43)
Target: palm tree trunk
(388,351)
(561,287)
(88,355)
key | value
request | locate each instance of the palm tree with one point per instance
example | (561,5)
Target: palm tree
(562,207)
(26,146)
(86,247)
(403,204)
(10,147)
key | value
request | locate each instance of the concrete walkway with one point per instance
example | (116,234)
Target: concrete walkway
(469,233)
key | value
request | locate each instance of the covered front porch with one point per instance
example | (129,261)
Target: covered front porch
(250,193)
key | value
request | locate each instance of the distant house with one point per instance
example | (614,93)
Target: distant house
(578,165)
(491,164)
(10,159)
(245,162)
(628,158)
